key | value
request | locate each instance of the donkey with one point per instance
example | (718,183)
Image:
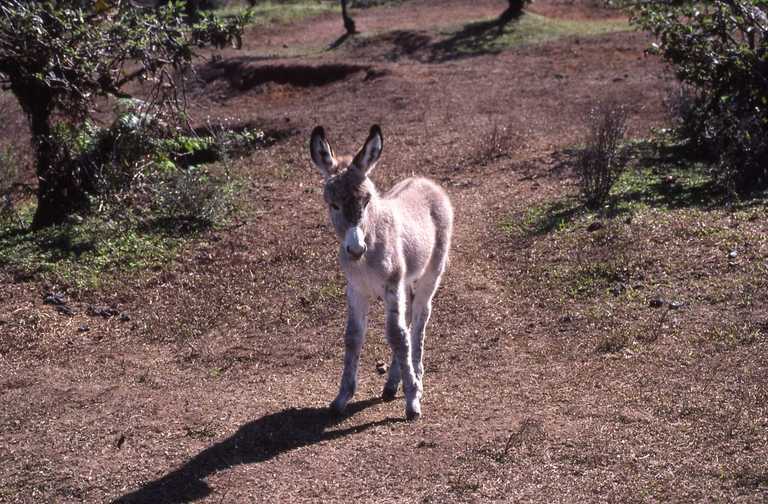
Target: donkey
(393,246)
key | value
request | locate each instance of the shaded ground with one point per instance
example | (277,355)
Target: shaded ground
(543,384)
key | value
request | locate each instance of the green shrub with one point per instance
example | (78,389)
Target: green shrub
(191,199)
(135,170)
(58,58)
(8,175)
(720,50)
(9,170)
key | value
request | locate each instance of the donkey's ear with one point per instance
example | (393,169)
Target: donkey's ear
(366,159)
(322,153)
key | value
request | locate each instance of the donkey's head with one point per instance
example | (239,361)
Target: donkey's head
(348,190)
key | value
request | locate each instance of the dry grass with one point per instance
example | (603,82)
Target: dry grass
(549,375)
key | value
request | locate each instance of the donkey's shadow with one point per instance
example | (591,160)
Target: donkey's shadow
(254,442)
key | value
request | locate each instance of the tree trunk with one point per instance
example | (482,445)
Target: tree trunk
(349,23)
(513,11)
(59,190)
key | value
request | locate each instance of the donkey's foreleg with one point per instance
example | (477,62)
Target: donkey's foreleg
(399,339)
(354,336)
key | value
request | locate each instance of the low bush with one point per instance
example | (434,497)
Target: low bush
(499,142)
(8,175)
(134,167)
(719,50)
(146,188)
(600,163)
(8,170)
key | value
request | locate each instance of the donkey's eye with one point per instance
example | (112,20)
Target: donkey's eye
(334,206)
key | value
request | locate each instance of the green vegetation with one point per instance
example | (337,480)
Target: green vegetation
(664,231)
(87,250)
(718,49)
(660,177)
(150,192)
(489,36)
(82,253)
(635,191)
(9,169)
(271,12)
(600,163)
(534,29)
(58,58)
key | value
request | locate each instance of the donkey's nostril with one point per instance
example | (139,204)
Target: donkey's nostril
(356,253)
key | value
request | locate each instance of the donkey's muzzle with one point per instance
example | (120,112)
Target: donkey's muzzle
(354,243)
(356,253)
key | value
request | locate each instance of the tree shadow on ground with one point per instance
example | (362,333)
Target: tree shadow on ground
(407,43)
(339,41)
(662,176)
(60,242)
(254,442)
(474,39)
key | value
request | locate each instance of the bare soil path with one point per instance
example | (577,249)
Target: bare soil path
(215,388)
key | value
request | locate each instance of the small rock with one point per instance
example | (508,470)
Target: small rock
(656,303)
(381,368)
(732,254)
(669,180)
(595,226)
(676,305)
(83,328)
(618,288)
(102,311)
(22,276)
(66,310)
(54,298)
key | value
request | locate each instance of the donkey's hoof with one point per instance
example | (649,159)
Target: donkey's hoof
(338,407)
(388,394)
(413,410)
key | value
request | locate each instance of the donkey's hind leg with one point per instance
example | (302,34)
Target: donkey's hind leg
(424,291)
(393,377)
(399,340)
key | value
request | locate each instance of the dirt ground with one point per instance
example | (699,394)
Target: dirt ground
(214,385)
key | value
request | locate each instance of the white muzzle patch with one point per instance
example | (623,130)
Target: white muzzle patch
(354,242)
